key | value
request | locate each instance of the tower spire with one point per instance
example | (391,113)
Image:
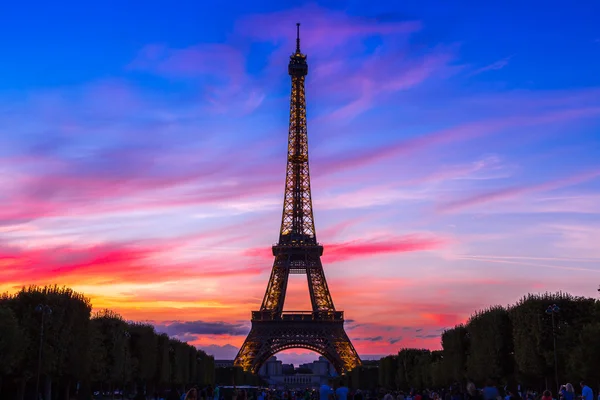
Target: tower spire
(298,37)
(297,224)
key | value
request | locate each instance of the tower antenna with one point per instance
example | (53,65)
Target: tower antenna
(298,37)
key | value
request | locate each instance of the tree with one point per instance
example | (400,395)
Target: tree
(180,365)
(110,349)
(144,353)
(163,362)
(64,333)
(491,346)
(101,350)
(365,376)
(413,368)
(584,361)
(455,344)
(533,334)
(10,342)
(72,337)
(387,371)
(439,378)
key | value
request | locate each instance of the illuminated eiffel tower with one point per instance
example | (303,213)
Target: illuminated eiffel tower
(297,252)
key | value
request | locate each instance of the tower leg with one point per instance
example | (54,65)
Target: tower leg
(275,294)
(319,292)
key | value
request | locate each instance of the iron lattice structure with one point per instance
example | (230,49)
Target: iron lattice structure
(297,252)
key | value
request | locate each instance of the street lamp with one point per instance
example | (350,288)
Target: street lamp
(553,309)
(171,362)
(127,335)
(44,310)
(199,370)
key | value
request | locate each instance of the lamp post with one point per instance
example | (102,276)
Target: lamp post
(553,309)
(199,370)
(171,365)
(44,310)
(127,335)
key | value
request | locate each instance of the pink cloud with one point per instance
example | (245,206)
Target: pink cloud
(108,263)
(144,261)
(467,131)
(438,319)
(332,231)
(515,192)
(380,75)
(355,83)
(354,249)
(321,30)
(116,181)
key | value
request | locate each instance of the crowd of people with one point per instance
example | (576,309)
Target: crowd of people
(337,391)
(488,392)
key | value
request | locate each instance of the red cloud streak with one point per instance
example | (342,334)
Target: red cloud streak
(103,264)
(355,249)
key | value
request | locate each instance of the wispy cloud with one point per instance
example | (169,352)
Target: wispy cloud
(515,192)
(353,90)
(529,264)
(220,68)
(177,328)
(318,23)
(370,339)
(493,66)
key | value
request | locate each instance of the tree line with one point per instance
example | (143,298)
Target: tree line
(51,340)
(511,345)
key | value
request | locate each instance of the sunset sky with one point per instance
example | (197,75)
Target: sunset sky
(455,158)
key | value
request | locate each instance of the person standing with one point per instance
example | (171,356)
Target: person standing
(547,395)
(490,392)
(586,392)
(472,392)
(341,392)
(569,392)
(325,391)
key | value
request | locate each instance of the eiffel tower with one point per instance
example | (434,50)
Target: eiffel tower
(297,252)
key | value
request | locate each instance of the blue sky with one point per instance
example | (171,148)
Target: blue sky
(454,157)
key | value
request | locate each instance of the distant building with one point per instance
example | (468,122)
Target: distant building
(272,367)
(288,369)
(310,375)
(321,367)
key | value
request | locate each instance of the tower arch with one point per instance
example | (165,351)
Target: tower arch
(260,361)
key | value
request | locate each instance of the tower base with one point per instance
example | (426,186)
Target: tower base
(272,334)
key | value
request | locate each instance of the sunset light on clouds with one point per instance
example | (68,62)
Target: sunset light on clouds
(455,159)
